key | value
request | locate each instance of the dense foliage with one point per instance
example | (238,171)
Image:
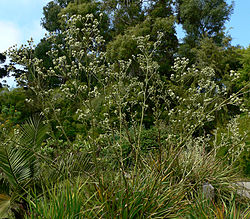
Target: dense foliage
(112,121)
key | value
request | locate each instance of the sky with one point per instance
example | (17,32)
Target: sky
(20,20)
(240,23)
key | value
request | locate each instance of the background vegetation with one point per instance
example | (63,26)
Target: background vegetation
(114,118)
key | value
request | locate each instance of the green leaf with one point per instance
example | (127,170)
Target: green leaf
(33,132)
(16,164)
(4,205)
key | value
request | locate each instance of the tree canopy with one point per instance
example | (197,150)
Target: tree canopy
(3,69)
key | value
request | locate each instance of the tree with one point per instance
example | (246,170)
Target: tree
(2,58)
(3,70)
(244,71)
(222,58)
(54,22)
(51,21)
(122,19)
(203,17)
(151,18)
(123,14)
(54,10)
(84,7)
(124,46)
(200,18)
(245,60)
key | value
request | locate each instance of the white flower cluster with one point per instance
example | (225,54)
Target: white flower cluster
(83,77)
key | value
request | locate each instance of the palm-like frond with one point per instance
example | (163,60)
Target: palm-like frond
(4,205)
(79,162)
(17,161)
(17,164)
(4,185)
(33,132)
